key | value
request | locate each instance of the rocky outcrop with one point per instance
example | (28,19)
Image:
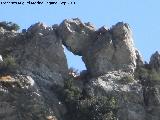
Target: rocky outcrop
(125,89)
(139,60)
(35,89)
(38,50)
(40,58)
(155,61)
(22,98)
(76,35)
(102,50)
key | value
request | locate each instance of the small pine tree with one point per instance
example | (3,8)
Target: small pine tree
(9,26)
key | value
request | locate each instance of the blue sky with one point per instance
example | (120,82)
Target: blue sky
(142,15)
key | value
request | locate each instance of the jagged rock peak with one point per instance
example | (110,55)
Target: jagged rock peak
(40,28)
(77,21)
(155,61)
(121,30)
(103,29)
(139,60)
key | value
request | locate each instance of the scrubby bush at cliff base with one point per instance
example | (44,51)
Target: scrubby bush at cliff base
(141,73)
(81,107)
(9,26)
(70,91)
(126,79)
(96,108)
(8,65)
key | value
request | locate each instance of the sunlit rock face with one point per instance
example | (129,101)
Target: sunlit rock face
(38,50)
(76,35)
(102,50)
(41,64)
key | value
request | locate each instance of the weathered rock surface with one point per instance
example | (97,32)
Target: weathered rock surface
(38,53)
(76,35)
(155,61)
(23,99)
(122,86)
(102,50)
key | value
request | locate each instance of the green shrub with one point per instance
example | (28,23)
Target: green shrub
(126,79)
(8,65)
(141,73)
(80,107)
(154,75)
(9,26)
(70,91)
(97,108)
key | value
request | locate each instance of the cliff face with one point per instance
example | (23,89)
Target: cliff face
(116,85)
(39,58)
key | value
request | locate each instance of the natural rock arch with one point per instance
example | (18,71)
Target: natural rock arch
(102,50)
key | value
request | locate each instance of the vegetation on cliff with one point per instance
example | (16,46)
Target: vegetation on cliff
(9,26)
(81,106)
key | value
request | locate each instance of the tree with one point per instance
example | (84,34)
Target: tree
(9,26)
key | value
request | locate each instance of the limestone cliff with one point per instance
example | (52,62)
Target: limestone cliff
(39,56)
(36,84)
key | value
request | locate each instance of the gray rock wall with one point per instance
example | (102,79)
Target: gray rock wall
(39,50)
(38,54)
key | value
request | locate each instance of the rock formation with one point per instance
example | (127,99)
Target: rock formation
(35,83)
(39,50)
(102,50)
(39,54)
(123,87)
(155,61)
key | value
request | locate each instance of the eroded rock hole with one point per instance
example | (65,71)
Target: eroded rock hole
(74,61)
